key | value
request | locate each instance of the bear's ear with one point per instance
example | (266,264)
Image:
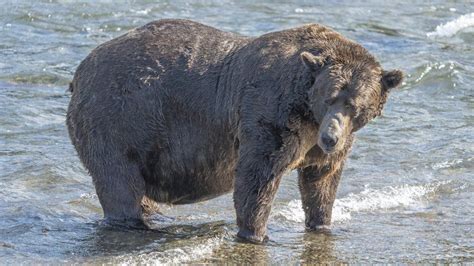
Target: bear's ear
(311,61)
(391,79)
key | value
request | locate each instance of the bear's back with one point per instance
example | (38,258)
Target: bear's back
(160,50)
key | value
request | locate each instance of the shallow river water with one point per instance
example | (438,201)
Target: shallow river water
(407,192)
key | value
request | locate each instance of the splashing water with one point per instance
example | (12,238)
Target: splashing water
(368,200)
(175,255)
(450,28)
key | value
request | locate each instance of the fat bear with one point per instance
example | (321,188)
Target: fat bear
(179,112)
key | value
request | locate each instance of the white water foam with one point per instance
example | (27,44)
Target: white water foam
(368,200)
(450,28)
(447,164)
(173,256)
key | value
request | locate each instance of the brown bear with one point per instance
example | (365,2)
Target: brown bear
(178,112)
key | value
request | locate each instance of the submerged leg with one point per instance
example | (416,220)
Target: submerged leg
(120,188)
(318,187)
(254,192)
(258,176)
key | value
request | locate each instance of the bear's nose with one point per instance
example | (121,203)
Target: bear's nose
(329,141)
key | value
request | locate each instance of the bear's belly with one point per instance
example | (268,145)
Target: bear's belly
(190,187)
(198,172)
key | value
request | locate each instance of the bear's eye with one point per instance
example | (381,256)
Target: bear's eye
(349,106)
(330,101)
(358,123)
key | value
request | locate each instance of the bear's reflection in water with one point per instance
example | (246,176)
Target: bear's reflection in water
(117,244)
(317,248)
(239,253)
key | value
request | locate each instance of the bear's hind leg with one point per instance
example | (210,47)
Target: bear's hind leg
(120,188)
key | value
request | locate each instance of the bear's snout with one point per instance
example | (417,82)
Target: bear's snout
(329,141)
(332,132)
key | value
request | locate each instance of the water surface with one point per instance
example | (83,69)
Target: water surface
(407,190)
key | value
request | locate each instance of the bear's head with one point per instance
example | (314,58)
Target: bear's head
(347,92)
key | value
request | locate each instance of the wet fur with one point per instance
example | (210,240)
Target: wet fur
(179,112)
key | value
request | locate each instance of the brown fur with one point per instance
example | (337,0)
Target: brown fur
(179,112)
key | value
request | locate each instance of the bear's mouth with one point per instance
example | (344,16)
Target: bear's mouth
(327,150)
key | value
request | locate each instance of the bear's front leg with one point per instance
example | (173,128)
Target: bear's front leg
(256,183)
(318,186)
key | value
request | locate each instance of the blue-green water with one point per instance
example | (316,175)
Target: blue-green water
(406,194)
